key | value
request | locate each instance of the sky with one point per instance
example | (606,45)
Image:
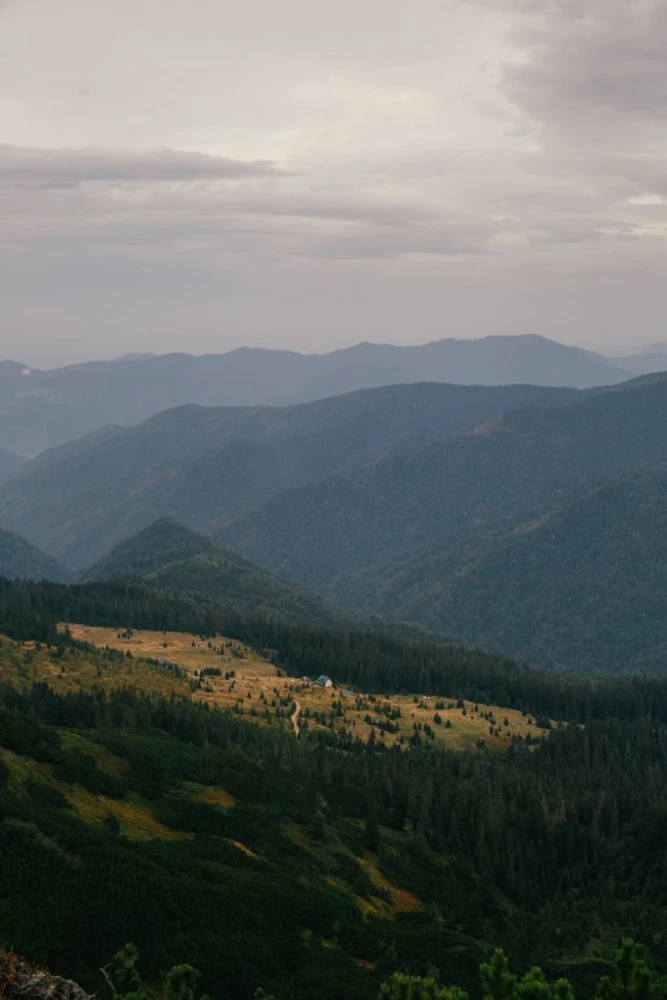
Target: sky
(195,175)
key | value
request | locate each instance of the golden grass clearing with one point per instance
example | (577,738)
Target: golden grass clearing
(402,900)
(133,813)
(20,768)
(135,817)
(105,760)
(256,691)
(244,850)
(215,797)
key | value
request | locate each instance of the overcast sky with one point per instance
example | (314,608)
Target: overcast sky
(199,174)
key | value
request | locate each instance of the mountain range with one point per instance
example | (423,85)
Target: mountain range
(42,409)
(523,518)
(508,469)
(204,466)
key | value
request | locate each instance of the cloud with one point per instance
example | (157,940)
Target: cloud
(445,238)
(588,81)
(168,202)
(62,168)
(346,169)
(592,60)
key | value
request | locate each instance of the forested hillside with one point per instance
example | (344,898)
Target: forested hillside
(582,587)
(413,860)
(20,560)
(170,557)
(201,466)
(524,462)
(10,463)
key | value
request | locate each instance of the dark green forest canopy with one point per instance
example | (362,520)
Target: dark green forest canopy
(552,852)
(498,849)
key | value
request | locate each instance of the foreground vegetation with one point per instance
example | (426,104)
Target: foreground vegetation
(325,866)
(631,978)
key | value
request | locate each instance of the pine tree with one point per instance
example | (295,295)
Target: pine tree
(495,978)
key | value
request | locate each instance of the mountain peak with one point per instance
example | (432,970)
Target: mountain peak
(21,560)
(171,557)
(160,543)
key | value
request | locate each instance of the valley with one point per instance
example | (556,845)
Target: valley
(333,500)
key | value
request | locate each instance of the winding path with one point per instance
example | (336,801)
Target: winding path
(295,717)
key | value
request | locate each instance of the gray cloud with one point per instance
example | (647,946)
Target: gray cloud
(452,237)
(593,58)
(62,168)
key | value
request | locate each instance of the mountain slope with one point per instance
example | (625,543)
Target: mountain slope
(301,865)
(170,557)
(204,466)
(41,409)
(163,543)
(526,461)
(641,364)
(10,463)
(583,587)
(20,560)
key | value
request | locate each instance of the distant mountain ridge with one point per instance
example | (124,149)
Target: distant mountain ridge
(42,409)
(170,557)
(203,467)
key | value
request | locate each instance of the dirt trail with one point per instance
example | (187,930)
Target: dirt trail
(295,717)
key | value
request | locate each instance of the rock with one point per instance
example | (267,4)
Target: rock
(21,981)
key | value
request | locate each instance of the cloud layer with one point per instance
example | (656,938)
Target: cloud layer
(58,168)
(180,177)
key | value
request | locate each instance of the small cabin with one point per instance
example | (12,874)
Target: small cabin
(324,681)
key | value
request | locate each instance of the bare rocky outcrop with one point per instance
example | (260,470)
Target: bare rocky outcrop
(21,981)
